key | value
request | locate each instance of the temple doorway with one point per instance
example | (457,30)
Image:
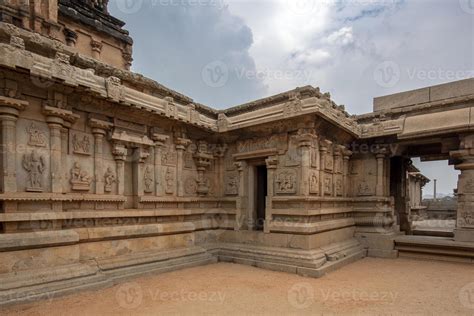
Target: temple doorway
(260,196)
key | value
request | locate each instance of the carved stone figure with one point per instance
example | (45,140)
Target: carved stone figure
(35,136)
(363,189)
(286,182)
(190,186)
(148,180)
(169,181)
(232,184)
(109,179)
(34,164)
(81,144)
(314,183)
(168,157)
(327,185)
(339,187)
(80,179)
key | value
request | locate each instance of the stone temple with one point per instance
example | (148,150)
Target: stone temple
(107,175)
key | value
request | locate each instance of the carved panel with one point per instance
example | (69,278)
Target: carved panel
(169,181)
(190,186)
(364,188)
(188,160)
(35,165)
(339,187)
(314,182)
(232,184)
(80,179)
(285,182)
(279,141)
(148,179)
(114,88)
(81,143)
(327,185)
(329,162)
(130,126)
(109,179)
(36,137)
(169,157)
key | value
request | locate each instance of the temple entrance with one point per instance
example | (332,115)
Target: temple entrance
(260,196)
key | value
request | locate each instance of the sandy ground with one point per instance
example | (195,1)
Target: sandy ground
(367,287)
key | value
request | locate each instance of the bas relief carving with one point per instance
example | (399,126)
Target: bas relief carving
(36,137)
(81,144)
(314,183)
(148,179)
(279,141)
(80,179)
(232,184)
(339,187)
(109,180)
(169,157)
(188,160)
(169,181)
(190,186)
(34,164)
(285,182)
(363,189)
(327,185)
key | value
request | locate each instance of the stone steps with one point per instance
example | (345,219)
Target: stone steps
(434,248)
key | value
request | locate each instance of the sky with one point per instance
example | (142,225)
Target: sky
(224,53)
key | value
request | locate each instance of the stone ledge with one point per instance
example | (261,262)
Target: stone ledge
(18,241)
(312,228)
(67,197)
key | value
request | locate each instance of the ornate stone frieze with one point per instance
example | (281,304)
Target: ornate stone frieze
(36,137)
(81,143)
(286,181)
(109,179)
(294,106)
(279,142)
(115,90)
(80,179)
(35,165)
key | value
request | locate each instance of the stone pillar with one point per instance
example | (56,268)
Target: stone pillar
(99,130)
(96,48)
(465,213)
(57,119)
(138,166)
(380,184)
(9,112)
(181,144)
(160,141)
(242,201)
(323,149)
(305,141)
(346,156)
(203,162)
(272,164)
(120,154)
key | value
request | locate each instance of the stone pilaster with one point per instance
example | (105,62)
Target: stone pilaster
(465,213)
(9,111)
(381,155)
(160,141)
(138,165)
(242,200)
(346,158)
(203,161)
(305,141)
(57,119)
(323,150)
(120,154)
(181,145)
(272,164)
(99,130)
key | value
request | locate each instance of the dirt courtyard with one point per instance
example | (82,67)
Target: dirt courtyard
(369,286)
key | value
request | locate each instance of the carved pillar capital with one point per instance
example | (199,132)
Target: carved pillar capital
(10,108)
(272,162)
(119,151)
(160,139)
(99,126)
(182,143)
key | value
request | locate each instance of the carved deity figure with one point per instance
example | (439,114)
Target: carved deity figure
(314,183)
(363,189)
(110,179)
(36,137)
(169,178)
(80,179)
(148,180)
(81,146)
(286,182)
(34,164)
(232,184)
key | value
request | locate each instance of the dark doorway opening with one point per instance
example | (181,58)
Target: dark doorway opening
(261,196)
